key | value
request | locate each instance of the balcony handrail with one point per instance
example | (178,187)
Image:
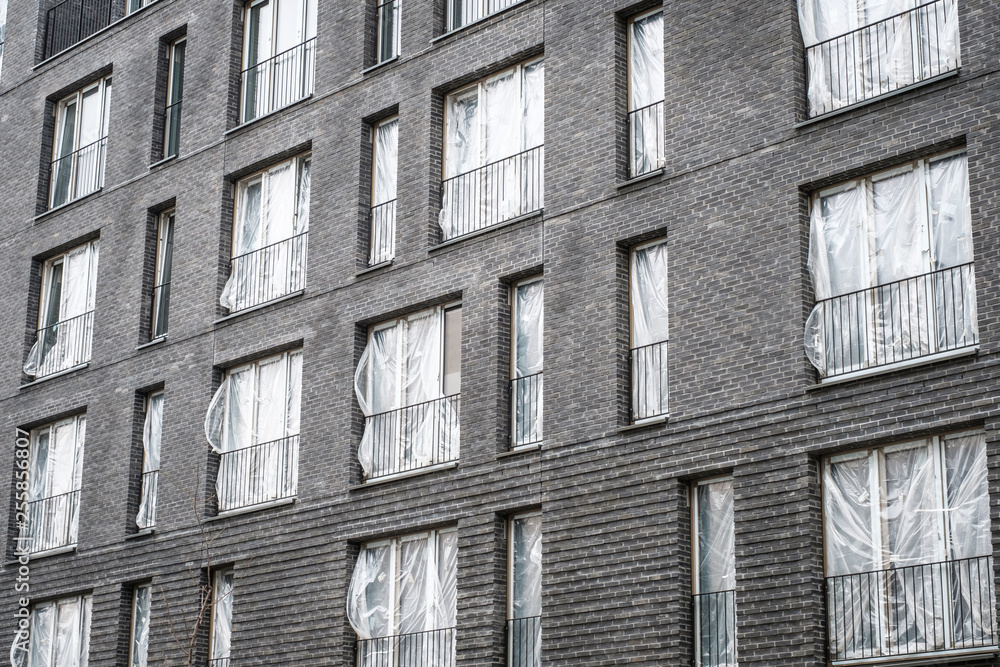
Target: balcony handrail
(55,531)
(882,286)
(715,628)
(649,106)
(269,246)
(46,499)
(276,56)
(424,649)
(647,370)
(639,348)
(380,5)
(259,444)
(875,23)
(524,641)
(258,473)
(99,24)
(526,428)
(381,241)
(146,517)
(495,162)
(81,149)
(63,323)
(412,406)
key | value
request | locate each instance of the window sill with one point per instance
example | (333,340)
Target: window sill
(934,658)
(898,366)
(281,502)
(369,70)
(145,532)
(405,475)
(62,207)
(643,423)
(477,22)
(155,341)
(162,162)
(373,268)
(69,548)
(270,114)
(486,230)
(648,176)
(54,376)
(259,306)
(525,449)
(885,96)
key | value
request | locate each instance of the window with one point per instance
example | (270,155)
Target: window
(524,612)
(136,5)
(383,215)
(493,163)
(645,93)
(253,423)
(279,55)
(891,263)
(526,362)
(269,235)
(81,137)
(222,618)
(161,280)
(715,574)
(65,312)
(139,645)
(909,565)
(152,433)
(59,634)
(401,601)
(3,29)
(861,49)
(55,477)
(648,357)
(464,12)
(387,30)
(175,93)
(408,384)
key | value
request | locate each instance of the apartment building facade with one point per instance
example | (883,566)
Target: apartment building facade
(465,332)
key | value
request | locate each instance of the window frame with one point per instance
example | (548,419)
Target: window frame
(696,592)
(217,576)
(163,265)
(78,423)
(148,399)
(511,560)
(175,65)
(391,242)
(103,86)
(397,15)
(284,358)
(513,299)
(661,128)
(135,660)
(85,606)
(664,340)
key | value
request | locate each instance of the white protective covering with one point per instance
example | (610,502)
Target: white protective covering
(55,468)
(272,206)
(848,70)
(59,635)
(528,326)
(152,433)
(222,614)
(3,29)
(526,587)
(648,296)
(404,586)
(139,653)
(716,571)
(384,191)
(895,494)
(70,345)
(875,231)
(646,88)
(401,366)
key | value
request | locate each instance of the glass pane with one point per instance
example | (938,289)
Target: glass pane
(452,351)
(526,557)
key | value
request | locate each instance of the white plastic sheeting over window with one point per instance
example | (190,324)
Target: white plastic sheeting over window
(648,299)
(65,321)
(55,477)
(464,12)
(222,615)
(407,362)
(715,570)
(645,94)
(59,635)
(152,433)
(883,229)
(903,506)
(525,635)
(528,326)
(3,29)
(875,60)
(254,417)
(269,250)
(405,586)
(139,647)
(383,231)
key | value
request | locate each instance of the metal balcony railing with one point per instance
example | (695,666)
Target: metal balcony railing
(464,12)
(383,233)
(492,194)
(432,648)
(160,311)
(258,474)
(220,662)
(715,629)
(901,50)
(269,273)
(387,16)
(172,129)
(415,436)
(64,344)
(526,410)
(146,517)
(899,321)
(524,642)
(77,174)
(645,139)
(71,21)
(278,81)
(52,522)
(912,610)
(648,366)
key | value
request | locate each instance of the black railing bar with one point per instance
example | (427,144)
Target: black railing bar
(871,25)
(648,106)
(259,444)
(71,319)
(383,4)
(81,149)
(645,347)
(268,247)
(495,162)
(415,405)
(391,201)
(47,498)
(525,377)
(895,282)
(278,55)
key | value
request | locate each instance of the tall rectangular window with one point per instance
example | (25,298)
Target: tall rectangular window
(253,423)
(385,139)
(161,280)
(645,93)
(859,49)
(175,94)
(59,634)
(527,316)
(80,140)
(891,261)
(464,12)
(152,433)
(3,29)
(909,555)
(55,477)
(222,618)
(387,28)
(648,310)
(279,55)
(402,600)
(714,561)
(493,162)
(65,312)
(408,384)
(524,612)
(136,5)
(139,644)
(269,235)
